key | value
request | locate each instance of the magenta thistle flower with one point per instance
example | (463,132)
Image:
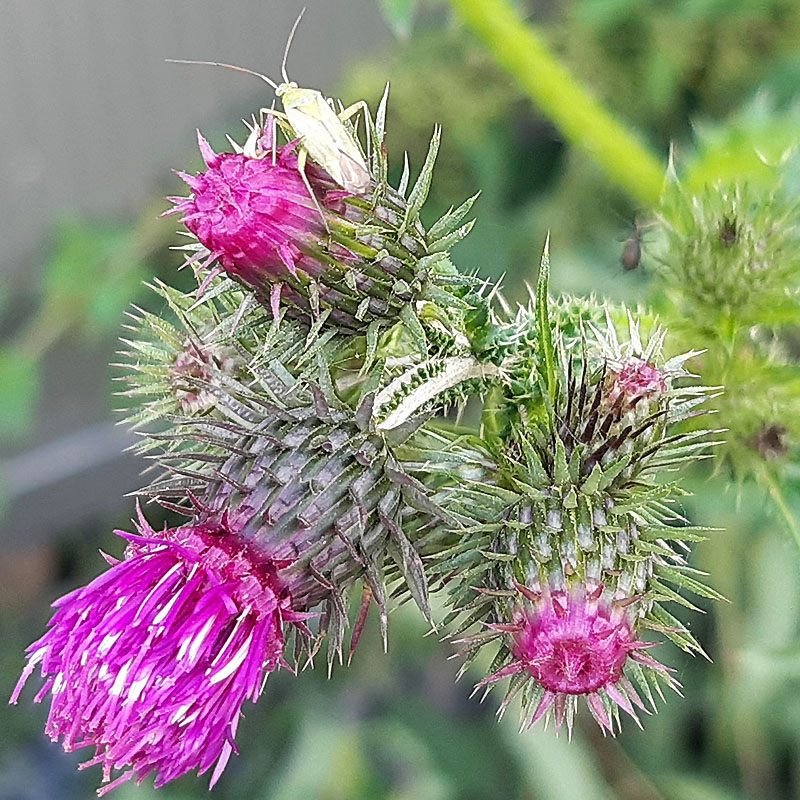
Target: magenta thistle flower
(637,378)
(576,643)
(151,662)
(300,241)
(255,216)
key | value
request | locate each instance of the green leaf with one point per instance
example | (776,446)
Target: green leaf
(19,386)
(561,471)
(451,239)
(545,336)
(92,274)
(409,318)
(399,15)
(450,220)
(592,483)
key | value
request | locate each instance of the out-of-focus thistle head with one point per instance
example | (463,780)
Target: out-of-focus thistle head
(573,546)
(731,257)
(287,230)
(730,262)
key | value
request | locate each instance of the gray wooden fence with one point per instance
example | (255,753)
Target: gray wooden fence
(91,119)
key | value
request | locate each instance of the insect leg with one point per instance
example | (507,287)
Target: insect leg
(274,116)
(302,157)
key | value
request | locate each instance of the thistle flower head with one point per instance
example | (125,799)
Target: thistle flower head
(568,501)
(573,643)
(255,216)
(637,378)
(298,240)
(150,663)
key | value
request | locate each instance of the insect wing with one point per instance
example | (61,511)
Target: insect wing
(355,177)
(326,139)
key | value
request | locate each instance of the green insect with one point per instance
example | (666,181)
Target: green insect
(322,132)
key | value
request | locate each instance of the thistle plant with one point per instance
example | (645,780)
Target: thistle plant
(294,411)
(280,228)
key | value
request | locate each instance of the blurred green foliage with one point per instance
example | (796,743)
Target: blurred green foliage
(19,384)
(399,15)
(91,272)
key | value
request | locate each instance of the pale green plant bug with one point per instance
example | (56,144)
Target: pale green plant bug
(322,132)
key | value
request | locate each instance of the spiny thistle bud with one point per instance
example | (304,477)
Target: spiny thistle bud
(291,234)
(151,662)
(196,361)
(635,385)
(574,643)
(290,442)
(731,255)
(567,545)
(292,498)
(167,367)
(317,482)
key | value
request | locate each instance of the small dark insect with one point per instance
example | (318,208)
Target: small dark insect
(770,442)
(632,249)
(728,231)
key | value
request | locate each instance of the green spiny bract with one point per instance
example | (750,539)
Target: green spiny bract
(568,530)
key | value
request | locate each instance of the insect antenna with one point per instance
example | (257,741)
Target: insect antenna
(289,44)
(227,66)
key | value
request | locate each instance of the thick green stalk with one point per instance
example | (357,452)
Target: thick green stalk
(583,121)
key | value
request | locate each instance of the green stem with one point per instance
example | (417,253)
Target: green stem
(781,504)
(583,121)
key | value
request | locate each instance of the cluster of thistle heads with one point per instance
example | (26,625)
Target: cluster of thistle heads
(297,407)
(728,272)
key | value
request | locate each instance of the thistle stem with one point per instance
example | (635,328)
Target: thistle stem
(583,121)
(780,502)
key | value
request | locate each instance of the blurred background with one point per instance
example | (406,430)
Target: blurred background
(94,120)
